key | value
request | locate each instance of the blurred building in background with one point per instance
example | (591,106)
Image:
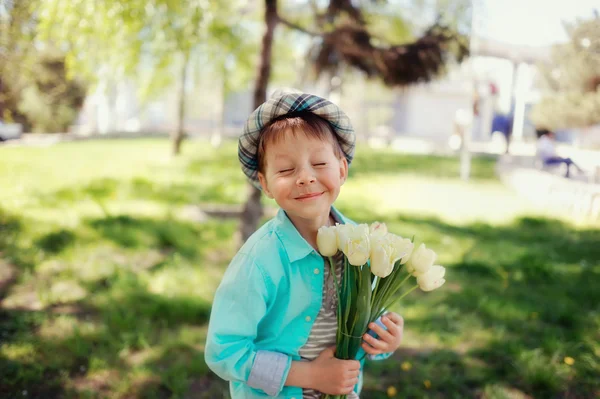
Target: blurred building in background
(498,78)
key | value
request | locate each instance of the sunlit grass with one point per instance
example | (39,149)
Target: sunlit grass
(114,279)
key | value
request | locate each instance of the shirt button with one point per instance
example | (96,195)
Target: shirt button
(307,318)
(317,271)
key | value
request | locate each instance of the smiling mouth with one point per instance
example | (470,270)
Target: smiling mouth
(309,196)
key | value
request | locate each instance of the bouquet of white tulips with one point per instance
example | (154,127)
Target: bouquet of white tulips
(373,284)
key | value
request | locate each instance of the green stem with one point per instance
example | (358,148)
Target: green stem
(405,278)
(394,288)
(408,292)
(346,310)
(374,296)
(378,300)
(387,291)
(387,298)
(393,300)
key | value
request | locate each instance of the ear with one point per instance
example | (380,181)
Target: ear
(343,169)
(263,183)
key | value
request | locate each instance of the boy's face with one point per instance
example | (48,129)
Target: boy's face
(303,175)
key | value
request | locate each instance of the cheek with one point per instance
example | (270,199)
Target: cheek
(281,186)
(332,181)
(333,176)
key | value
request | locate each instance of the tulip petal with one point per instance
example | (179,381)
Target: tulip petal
(327,240)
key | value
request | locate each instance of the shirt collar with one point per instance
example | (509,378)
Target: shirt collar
(294,244)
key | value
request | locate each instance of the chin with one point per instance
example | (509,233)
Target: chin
(311,212)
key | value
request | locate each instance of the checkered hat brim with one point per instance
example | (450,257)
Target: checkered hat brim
(287,103)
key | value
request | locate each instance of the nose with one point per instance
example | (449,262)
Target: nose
(305,176)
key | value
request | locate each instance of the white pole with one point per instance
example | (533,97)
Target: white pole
(522,88)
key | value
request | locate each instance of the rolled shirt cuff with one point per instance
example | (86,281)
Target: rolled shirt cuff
(269,372)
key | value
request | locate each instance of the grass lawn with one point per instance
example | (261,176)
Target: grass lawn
(106,280)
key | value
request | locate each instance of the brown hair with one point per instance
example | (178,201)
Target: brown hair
(312,125)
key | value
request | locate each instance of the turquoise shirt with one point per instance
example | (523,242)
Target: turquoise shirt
(264,309)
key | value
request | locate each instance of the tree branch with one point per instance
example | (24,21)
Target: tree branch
(297,27)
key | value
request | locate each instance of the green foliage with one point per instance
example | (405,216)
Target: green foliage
(34,88)
(572,80)
(51,101)
(144,40)
(566,110)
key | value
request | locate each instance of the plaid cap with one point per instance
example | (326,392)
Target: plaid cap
(282,103)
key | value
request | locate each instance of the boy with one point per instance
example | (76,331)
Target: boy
(273,322)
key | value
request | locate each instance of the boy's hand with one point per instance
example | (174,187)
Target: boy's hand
(334,376)
(389,340)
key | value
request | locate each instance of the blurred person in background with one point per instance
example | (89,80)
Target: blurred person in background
(503,123)
(546,152)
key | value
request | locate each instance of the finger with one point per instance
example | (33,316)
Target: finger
(351,373)
(396,326)
(375,343)
(352,365)
(370,350)
(351,384)
(383,334)
(396,319)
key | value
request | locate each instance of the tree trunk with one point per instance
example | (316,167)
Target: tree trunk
(253,210)
(177,136)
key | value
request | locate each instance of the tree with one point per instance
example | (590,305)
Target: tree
(342,33)
(572,80)
(252,211)
(50,100)
(140,39)
(35,90)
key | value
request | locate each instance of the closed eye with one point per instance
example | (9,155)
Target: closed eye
(285,170)
(321,164)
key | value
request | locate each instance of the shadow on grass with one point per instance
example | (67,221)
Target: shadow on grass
(531,287)
(103,190)
(183,369)
(417,374)
(14,325)
(168,235)
(125,319)
(60,351)
(11,249)
(56,241)
(25,377)
(519,299)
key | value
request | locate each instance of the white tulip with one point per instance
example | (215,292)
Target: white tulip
(433,279)
(327,240)
(353,241)
(381,253)
(377,229)
(406,248)
(420,261)
(386,251)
